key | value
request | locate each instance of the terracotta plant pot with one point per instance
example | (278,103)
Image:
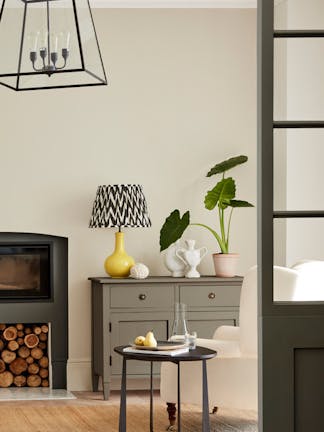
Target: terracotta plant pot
(225,264)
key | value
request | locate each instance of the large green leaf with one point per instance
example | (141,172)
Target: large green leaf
(239,203)
(222,193)
(227,165)
(173,228)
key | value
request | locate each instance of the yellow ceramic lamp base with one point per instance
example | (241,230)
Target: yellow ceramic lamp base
(118,264)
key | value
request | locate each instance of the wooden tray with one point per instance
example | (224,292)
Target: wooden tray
(161,346)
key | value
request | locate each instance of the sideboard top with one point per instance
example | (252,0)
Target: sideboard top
(167,279)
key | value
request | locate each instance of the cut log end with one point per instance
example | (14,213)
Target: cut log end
(20,381)
(10,333)
(43,373)
(34,381)
(8,356)
(13,345)
(43,362)
(31,340)
(24,352)
(44,328)
(18,366)
(33,369)
(37,353)
(6,379)
(30,360)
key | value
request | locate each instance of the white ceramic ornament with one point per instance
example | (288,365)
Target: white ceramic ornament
(192,257)
(173,263)
(139,271)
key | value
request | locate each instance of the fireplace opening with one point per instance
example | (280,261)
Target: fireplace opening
(25,355)
(25,271)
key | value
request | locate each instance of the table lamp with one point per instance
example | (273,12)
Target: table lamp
(120,206)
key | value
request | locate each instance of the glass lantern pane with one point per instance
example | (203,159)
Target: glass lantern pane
(49,44)
(63,79)
(10,39)
(91,51)
(62,33)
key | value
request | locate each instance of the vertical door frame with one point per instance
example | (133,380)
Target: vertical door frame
(288,332)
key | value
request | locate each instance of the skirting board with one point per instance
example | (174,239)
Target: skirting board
(79,375)
(79,378)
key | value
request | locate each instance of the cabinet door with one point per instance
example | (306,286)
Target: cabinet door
(205,323)
(126,326)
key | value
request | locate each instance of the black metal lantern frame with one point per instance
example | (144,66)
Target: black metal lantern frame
(48,44)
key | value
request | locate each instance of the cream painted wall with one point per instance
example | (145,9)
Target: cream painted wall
(181,97)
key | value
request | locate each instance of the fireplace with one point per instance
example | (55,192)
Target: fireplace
(34,289)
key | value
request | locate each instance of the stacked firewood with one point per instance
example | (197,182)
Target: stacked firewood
(24,355)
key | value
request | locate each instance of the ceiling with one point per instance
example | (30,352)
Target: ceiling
(174,3)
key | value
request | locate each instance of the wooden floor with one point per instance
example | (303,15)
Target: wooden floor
(90,413)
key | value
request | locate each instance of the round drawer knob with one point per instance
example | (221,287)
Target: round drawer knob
(142,296)
(211,295)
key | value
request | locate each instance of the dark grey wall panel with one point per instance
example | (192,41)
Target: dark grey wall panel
(309,389)
(292,359)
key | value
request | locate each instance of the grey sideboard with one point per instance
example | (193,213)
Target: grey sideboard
(125,308)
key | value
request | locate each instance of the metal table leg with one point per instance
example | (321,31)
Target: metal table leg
(122,411)
(151,399)
(205,423)
(179,401)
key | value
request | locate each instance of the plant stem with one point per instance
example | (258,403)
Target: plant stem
(221,224)
(228,227)
(222,245)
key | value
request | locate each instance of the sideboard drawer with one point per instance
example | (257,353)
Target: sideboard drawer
(204,296)
(142,296)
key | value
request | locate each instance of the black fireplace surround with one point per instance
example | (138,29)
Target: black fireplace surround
(34,288)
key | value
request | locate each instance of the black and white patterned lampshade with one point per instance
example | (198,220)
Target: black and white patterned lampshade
(120,206)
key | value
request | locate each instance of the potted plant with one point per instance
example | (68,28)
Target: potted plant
(220,197)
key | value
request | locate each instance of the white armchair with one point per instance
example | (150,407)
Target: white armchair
(232,374)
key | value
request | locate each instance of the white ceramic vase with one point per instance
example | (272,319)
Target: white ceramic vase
(191,257)
(225,264)
(173,263)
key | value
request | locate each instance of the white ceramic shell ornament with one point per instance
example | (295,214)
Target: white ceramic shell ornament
(139,271)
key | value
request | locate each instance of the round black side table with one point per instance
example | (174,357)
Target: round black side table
(199,354)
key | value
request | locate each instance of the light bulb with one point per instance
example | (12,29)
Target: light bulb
(65,38)
(43,39)
(33,41)
(68,37)
(54,42)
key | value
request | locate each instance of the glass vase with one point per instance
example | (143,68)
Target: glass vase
(179,328)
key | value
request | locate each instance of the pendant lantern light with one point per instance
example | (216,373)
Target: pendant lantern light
(48,44)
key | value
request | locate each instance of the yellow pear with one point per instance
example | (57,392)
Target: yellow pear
(150,340)
(139,340)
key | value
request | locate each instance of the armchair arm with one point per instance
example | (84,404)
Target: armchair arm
(227,333)
(224,348)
